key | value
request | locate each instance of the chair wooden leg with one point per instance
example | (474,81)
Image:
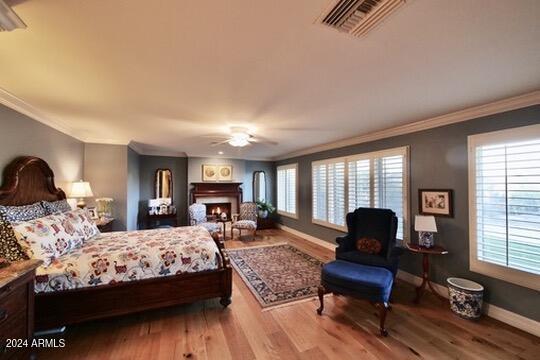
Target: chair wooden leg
(382,315)
(321,293)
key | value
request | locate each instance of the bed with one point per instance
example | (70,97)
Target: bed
(118,273)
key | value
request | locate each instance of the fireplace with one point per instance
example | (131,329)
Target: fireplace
(219,194)
(216,209)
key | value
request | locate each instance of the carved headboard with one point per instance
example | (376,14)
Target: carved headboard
(26,180)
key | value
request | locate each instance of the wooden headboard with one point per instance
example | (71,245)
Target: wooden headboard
(26,180)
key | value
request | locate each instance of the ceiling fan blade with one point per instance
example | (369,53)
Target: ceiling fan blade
(215,136)
(262,140)
(217,143)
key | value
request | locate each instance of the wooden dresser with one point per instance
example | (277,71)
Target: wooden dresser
(17,308)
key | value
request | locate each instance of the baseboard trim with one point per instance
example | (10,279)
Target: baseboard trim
(313,239)
(508,317)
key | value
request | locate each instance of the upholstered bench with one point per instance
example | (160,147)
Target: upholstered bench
(362,281)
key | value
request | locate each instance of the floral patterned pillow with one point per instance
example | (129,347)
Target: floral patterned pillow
(48,237)
(54,207)
(16,214)
(83,223)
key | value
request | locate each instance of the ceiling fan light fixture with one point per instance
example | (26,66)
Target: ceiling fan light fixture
(238,142)
(239,138)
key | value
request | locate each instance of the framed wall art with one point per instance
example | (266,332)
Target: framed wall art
(437,202)
(209,173)
(225,173)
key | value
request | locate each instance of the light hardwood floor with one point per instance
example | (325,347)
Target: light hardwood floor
(347,330)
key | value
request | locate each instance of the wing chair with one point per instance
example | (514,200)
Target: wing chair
(197,216)
(366,260)
(380,224)
(247,219)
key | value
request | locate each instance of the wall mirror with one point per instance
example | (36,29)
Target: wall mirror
(259,186)
(164,183)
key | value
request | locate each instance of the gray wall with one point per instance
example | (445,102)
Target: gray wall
(438,160)
(269,169)
(133,188)
(21,135)
(106,168)
(147,170)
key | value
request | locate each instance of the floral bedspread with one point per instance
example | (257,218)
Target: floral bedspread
(131,255)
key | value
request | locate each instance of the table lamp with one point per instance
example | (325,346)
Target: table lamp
(80,190)
(426,226)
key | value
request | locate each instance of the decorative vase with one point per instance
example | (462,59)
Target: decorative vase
(465,297)
(263,214)
(223,216)
(425,239)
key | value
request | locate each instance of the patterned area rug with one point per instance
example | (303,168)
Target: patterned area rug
(277,274)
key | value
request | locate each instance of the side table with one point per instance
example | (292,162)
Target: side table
(426,252)
(224,222)
(17,308)
(154,221)
(105,225)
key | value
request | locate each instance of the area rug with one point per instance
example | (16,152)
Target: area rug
(277,274)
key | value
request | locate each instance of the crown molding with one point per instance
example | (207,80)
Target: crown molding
(508,104)
(15,103)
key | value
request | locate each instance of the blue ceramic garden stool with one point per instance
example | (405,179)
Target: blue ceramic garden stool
(372,283)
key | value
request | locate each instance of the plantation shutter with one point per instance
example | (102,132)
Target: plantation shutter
(359,184)
(336,193)
(281,186)
(286,189)
(291,190)
(319,191)
(507,196)
(388,187)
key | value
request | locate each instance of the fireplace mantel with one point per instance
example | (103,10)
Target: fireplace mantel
(218,189)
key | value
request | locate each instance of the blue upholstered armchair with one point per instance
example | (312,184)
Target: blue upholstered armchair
(366,260)
(379,224)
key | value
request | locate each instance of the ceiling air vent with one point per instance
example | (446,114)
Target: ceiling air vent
(357,17)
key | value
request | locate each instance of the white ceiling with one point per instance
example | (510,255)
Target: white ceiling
(163,73)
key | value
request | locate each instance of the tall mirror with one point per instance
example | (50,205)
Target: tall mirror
(164,183)
(259,186)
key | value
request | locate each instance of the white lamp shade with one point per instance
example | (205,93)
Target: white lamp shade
(425,223)
(81,189)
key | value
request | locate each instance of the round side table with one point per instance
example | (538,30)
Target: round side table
(426,252)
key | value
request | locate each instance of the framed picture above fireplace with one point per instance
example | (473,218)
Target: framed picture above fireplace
(214,173)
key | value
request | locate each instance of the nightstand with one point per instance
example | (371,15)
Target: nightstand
(17,308)
(105,225)
(426,252)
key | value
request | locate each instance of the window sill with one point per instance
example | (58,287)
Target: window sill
(514,276)
(289,215)
(342,228)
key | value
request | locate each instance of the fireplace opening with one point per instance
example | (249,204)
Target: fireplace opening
(216,209)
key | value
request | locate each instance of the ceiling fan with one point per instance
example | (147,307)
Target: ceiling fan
(239,137)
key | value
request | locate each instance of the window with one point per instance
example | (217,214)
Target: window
(504,200)
(329,192)
(378,179)
(286,189)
